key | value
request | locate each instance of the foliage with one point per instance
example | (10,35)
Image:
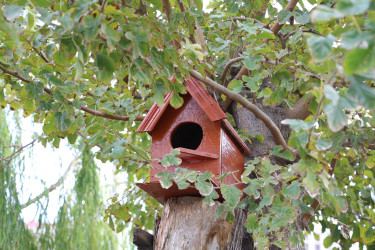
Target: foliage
(91,69)
(13,232)
(79,224)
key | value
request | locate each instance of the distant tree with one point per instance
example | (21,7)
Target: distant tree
(297,84)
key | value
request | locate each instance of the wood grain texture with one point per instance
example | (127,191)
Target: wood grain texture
(188,223)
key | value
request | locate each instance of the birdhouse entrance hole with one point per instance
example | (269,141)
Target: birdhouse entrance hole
(187,135)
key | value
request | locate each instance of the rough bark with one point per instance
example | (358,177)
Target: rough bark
(189,223)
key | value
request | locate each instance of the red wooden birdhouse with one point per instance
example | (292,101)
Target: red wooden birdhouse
(200,130)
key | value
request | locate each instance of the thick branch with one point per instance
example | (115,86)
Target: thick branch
(83,108)
(227,67)
(277,26)
(142,239)
(275,131)
(52,187)
(167,9)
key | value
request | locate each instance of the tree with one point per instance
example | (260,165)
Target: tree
(298,84)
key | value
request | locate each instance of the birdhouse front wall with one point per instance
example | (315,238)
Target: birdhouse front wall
(187,127)
(232,158)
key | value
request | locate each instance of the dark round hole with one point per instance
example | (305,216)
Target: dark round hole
(187,135)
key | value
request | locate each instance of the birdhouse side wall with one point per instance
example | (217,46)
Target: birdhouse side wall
(172,119)
(232,158)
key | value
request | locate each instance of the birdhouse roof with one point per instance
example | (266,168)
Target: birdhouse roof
(203,99)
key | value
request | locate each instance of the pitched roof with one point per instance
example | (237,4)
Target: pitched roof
(204,100)
(199,94)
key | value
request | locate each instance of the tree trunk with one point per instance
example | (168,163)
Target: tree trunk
(189,223)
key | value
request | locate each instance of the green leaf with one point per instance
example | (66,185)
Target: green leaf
(266,201)
(199,4)
(292,190)
(325,13)
(298,125)
(235,86)
(12,12)
(60,58)
(320,47)
(231,194)
(335,109)
(160,90)
(62,121)
(353,7)
(253,83)
(359,61)
(171,159)
(301,17)
(34,89)
(284,16)
(204,187)
(251,223)
(322,145)
(165,180)
(327,241)
(49,125)
(253,62)
(354,38)
(91,25)
(311,185)
(112,36)
(252,188)
(176,101)
(106,67)
(266,92)
(361,92)
(210,199)
(287,155)
(42,3)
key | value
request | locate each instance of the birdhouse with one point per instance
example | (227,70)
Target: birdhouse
(201,132)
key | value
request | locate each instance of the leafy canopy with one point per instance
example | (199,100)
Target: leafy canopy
(92,69)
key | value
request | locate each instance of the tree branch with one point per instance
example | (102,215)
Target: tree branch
(275,131)
(237,59)
(240,18)
(83,108)
(227,67)
(182,8)
(142,239)
(52,187)
(9,158)
(37,51)
(277,26)
(167,9)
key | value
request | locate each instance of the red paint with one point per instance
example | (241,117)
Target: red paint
(220,149)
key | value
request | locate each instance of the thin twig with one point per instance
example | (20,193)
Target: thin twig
(237,59)
(52,187)
(9,158)
(240,18)
(275,131)
(83,108)
(37,51)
